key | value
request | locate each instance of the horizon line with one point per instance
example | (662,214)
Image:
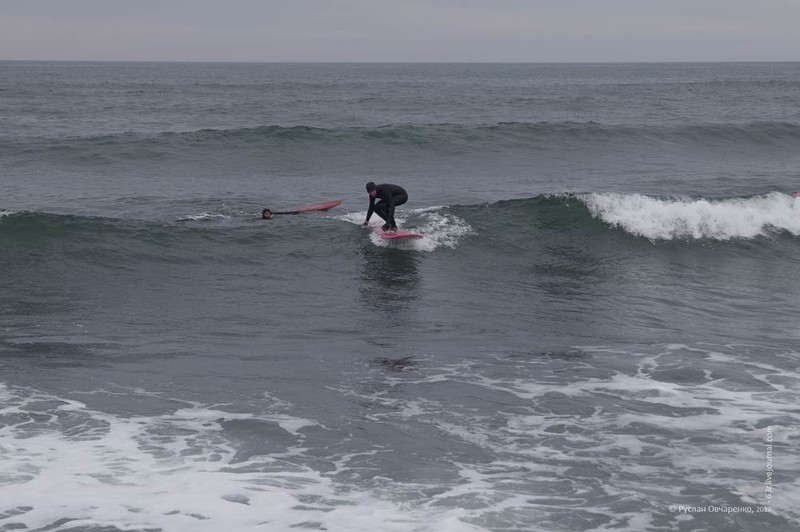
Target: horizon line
(205,61)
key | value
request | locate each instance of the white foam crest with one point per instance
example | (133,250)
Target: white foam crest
(356,217)
(173,472)
(437,229)
(204,216)
(440,230)
(4,213)
(666,219)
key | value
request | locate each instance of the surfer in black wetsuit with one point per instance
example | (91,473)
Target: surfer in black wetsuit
(389,196)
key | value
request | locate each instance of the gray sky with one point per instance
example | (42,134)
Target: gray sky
(401,30)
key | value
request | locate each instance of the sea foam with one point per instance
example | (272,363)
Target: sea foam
(670,218)
(437,227)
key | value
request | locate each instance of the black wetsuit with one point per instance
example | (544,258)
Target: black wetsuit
(390,196)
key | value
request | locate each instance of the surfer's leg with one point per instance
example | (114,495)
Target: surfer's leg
(399,199)
(380,210)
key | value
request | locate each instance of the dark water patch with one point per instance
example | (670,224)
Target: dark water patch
(48,353)
(122,243)
(397,364)
(442,137)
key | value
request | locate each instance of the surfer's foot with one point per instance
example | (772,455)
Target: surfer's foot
(386,227)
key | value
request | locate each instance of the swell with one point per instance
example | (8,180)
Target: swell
(32,237)
(458,137)
(28,238)
(773,219)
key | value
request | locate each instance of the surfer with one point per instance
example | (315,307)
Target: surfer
(389,196)
(267,214)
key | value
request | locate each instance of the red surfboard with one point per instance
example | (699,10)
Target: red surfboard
(394,235)
(796,194)
(309,208)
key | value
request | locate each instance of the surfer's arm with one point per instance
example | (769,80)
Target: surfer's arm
(370,210)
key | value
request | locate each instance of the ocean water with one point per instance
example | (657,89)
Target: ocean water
(598,330)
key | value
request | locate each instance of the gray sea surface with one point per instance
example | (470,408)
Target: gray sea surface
(597,331)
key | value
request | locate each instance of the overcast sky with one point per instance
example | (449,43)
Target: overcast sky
(401,30)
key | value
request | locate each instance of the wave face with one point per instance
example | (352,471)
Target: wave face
(569,215)
(555,235)
(649,217)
